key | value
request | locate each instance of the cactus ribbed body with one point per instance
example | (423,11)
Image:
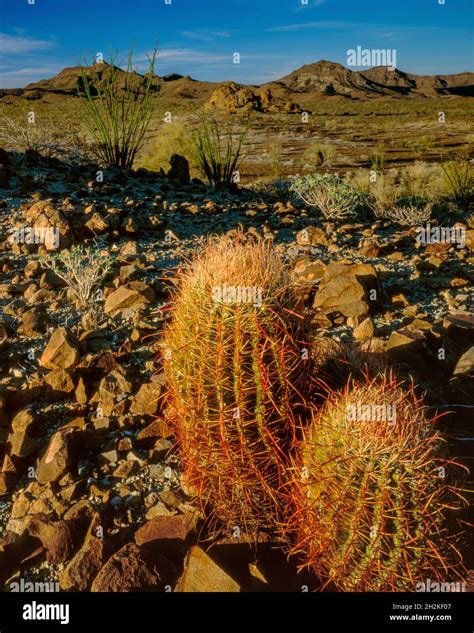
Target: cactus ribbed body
(232,361)
(369,512)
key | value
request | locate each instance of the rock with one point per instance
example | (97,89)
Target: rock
(61,352)
(346,288)
(44,215)
(97,224)
(20,440)
(146,400)
(56,537)
(113,393)
(165,528)
(132,295)
(405,342)
(307,272)
(311,236)
(465,365)
(58,457)
(364,330)
(127,571)
(342,294)
(150,433)
(33,322)
(202,574)
(179,169)
(85,565)
(60,380)
(126,469)
(14,550)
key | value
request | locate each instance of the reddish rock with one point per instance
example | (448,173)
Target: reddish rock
(162,528)
(85,565)
(146,400)
(58,457)
(61,352)
(127,571)
(132,295)
(60,380)
(202,574)
(56,537)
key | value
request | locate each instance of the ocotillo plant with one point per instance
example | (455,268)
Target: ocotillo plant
(233,359)
(371,492)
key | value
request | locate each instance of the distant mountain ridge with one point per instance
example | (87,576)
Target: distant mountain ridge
(321,79)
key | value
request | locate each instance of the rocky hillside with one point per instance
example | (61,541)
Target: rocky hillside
(320,79)
(330,78)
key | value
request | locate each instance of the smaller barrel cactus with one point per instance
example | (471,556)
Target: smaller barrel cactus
(371,492)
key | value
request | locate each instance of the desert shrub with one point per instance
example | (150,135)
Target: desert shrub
(377,160)
(422,180)
(170,138)
(276,161)
(233,363)
(334,198)
(373,492)
(408,213)
(318,154)
(82,269)
(218,151)
(116,108)
(459,181)
(270,190)
(46,136)
(421,146)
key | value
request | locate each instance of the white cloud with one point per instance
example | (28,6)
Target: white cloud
(13,44)
(331,24)
(22,76)
(205,35)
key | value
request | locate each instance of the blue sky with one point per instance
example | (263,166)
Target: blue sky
(199,37)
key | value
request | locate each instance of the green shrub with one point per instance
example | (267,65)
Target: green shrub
(459,181)
(116,108)
(218,152)
(334,198)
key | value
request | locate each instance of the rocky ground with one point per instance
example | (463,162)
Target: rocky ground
(91,494)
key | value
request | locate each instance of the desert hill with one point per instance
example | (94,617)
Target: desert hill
(331,78)
(318,80)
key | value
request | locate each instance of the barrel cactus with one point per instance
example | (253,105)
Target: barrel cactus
(234,358)
(371,495)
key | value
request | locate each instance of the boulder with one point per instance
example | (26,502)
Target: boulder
(61,352)
(165,528)
(202,574)
(146,400)
(60,381)
(311,236)
(132,295)
(81,570)
(33,322)
(179,169)
(465,365)
(56,537)
(348,289)
(127,571)
(59,456)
